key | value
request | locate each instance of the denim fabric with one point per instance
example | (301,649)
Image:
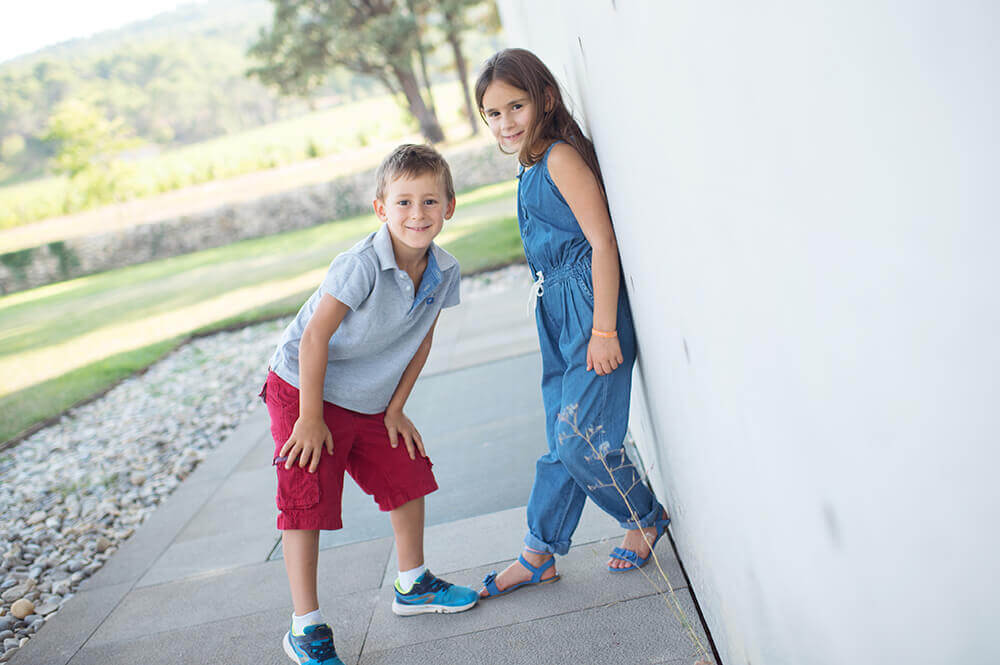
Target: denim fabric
(579,405)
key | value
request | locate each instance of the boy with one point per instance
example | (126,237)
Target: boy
(339,379)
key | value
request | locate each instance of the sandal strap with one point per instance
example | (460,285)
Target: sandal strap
(622,554)
(536,571)
(661,528)
(490,583)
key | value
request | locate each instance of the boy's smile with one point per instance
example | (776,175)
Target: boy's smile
(414,210)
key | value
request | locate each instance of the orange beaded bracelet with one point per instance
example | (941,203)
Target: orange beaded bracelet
(602,333)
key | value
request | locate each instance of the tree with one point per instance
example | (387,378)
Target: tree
(87,147)
(419,16)
(378,38)
(455,15)
(84,138)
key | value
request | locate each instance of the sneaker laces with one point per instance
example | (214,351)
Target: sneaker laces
(436,583)
(320,649)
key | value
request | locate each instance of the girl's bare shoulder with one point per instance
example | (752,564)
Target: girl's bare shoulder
(564,154)
(564,159)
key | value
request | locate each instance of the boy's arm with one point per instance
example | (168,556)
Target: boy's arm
(396,422)
(310,433)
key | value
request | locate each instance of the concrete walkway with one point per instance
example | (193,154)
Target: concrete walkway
(202,581)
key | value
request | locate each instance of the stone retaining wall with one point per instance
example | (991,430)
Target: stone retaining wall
(293,209)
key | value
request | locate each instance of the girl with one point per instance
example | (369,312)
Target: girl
(583,319)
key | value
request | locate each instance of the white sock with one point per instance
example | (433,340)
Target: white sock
(299,623)
(407,578)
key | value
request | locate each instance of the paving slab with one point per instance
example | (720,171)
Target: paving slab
(68,629)
(243,503)
(261,454)
(241,640)
(134,558)
(640,630)
(157,534)
(585,583)
(487,326)
(230,454)
(238,592)
(490,392)
(206,556)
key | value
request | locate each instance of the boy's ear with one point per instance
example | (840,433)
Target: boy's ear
(379,206)
(450,208)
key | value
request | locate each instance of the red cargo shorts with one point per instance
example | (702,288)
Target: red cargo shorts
(311,501)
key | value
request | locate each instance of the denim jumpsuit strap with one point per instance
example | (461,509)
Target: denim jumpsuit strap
(586,415)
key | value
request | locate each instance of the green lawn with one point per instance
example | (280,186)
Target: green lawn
(64,342)
(330,131)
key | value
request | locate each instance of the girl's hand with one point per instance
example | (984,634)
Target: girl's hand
(309,436)
(398,425)
(604,355)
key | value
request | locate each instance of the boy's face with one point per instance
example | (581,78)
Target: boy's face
(415,209)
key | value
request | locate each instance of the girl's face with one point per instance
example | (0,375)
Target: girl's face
(509,113)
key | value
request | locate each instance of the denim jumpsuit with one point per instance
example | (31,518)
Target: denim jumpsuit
(560,258)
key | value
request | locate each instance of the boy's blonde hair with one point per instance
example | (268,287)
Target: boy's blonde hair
(411,160)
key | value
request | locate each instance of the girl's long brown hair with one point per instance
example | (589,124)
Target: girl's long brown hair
(522,69)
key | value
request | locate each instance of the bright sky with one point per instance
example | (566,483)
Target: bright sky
(28,25)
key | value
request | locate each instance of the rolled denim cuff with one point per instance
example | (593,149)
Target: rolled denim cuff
(541,546)
(644,520)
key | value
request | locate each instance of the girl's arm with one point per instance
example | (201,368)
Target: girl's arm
(579,186)
(396,422)
(310,433)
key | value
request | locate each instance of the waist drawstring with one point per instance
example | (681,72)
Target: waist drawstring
(536,292)
(556,275)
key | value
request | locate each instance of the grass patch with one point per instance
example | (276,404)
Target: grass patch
(490,246)
(330,131)
(38,403)
(62,343)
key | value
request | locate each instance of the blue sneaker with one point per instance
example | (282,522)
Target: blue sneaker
(313,647)
(431,594)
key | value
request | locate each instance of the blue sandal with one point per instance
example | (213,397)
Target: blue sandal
(632,557)
(490,581)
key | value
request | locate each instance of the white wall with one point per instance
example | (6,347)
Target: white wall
(806,199)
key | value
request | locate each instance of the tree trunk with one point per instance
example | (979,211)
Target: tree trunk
(463,76)
(427,80)
(429,125)
(423,57)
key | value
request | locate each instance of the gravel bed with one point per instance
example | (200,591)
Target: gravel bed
(70,494)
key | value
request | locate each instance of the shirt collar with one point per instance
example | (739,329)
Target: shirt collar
(443,259)
(383,248)
(429,282)
(382,242)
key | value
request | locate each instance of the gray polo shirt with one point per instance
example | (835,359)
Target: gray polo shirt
(378,337)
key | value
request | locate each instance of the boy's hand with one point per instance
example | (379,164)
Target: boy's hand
(309,436)
(398,425)
(604,355)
